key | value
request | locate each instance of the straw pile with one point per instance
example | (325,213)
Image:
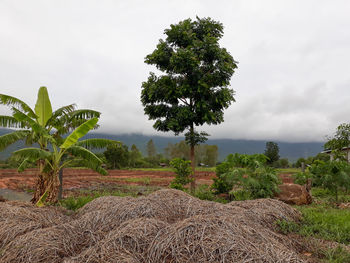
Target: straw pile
(166,226)
(18,218)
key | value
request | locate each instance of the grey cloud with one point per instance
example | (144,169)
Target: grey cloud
(292,83)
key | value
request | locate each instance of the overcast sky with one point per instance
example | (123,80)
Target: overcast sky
(292,81)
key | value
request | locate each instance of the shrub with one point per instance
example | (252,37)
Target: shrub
(225,182)
(331,175)
(261,182)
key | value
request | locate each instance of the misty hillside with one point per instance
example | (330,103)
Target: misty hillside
(292,151)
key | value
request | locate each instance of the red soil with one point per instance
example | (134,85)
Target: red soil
(83,178)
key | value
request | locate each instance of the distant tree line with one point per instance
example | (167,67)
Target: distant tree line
(119,156)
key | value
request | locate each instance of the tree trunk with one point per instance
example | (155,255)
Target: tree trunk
(49,183)
(40,187)
(60,190)
(53,189)
(193,164)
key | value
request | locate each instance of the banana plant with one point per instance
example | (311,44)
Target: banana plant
(42,126)
(52,160)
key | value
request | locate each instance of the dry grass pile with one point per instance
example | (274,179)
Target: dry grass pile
(18,218)
(130,241)
(166,226)
(267,211)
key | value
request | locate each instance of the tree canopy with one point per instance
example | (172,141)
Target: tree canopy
(193,88)
(272,152)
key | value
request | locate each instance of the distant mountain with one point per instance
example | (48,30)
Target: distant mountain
(292,151)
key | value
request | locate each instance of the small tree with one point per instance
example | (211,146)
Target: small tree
(195,87)
(339,141)
(38,125)
(151,149)
(332,175)
(134,155)
(183,171)
(51,162)
(272,152)
(117,156)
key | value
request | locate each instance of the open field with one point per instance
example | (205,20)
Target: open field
(83,178)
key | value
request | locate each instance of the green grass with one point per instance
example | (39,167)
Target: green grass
(288,170)
(336,255)
(326,222)
(169,169)
(82,197)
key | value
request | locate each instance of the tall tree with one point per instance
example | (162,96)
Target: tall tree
(194,88)
(272,152)
(40,125)
(151,149)
(134,155)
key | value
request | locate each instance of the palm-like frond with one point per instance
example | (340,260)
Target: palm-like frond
(10,122)
(58,114)
(87,155)
(32,154)
(85,114)
(10,138)
(79,132)
(90,160)
(24,118)
(96,143)
(43,108)
(23,165)
(12,101)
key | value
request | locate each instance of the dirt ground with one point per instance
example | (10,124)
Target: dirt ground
(85,178)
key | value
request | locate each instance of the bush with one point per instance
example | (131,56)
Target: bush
(224,183)
(261,182)
(227,173)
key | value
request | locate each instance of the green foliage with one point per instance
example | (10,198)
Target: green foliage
(194,88)
(336,255)
(332,175)
(183,171)
(135,156)
(311,159)
(326,223)
(151,149)
(338,141)
(117,156)
(207,154)
(76,202)
(204,192)
(43,107)
(287,227)
(272,152)
(46,128)
(281,163)
(255,180)
(227,174)
(240,195)
(261,182)
(225,182)
(302,177)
